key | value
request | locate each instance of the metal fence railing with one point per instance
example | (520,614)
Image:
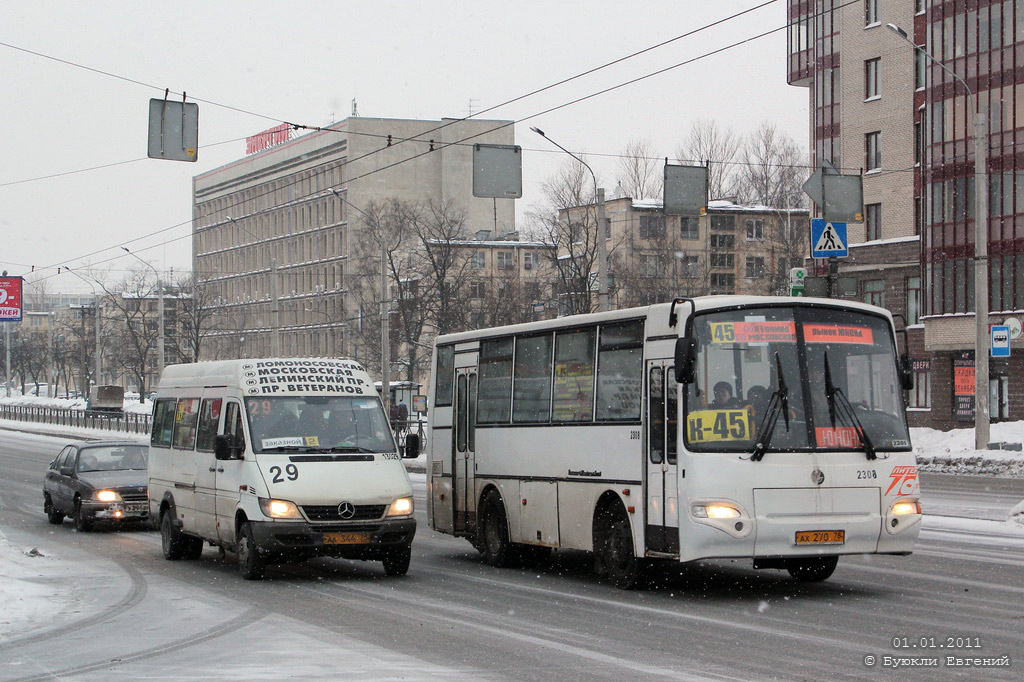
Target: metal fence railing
(125,422)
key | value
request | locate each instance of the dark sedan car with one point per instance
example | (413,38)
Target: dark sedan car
(100,481)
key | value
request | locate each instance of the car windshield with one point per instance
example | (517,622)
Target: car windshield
(113,458)
(318,423)
(746,357)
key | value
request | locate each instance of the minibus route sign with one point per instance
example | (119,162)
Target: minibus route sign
(278,377)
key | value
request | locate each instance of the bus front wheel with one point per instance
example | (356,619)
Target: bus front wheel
(812,569)
(616,553)
(493,540)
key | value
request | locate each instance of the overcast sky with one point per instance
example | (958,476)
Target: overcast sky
(305,62)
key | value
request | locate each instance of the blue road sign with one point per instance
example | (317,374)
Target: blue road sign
(828,239)
(1000,341)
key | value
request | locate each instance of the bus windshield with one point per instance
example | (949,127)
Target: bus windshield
(318,423)
(816,374)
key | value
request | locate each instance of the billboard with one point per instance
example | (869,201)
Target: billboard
(10,299)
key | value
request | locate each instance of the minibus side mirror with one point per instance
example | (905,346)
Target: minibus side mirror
(412,446)
(906,373)
(224,449)
(685,360)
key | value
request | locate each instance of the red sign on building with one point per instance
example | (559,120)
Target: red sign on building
(10,299)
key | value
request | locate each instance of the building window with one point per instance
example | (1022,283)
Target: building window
(723,241)
(920,67)
(476,289)
(650,266)
(870,12)
(872,75)
(755,267)
(913,300)
(920,397)
(873,150)
(873,221)
(722,260)
(723,222)
(723,283)
(652,226)
(874,292)
(531,260)
(505,260)
(690,266)
(479,260)
(755,229)
(688,227)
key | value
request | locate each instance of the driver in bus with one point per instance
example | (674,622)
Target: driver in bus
(724,397)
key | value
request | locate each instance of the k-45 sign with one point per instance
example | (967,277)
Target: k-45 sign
(10,298)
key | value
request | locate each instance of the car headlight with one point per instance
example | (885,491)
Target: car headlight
(108,496)
(279,509)
(401,507)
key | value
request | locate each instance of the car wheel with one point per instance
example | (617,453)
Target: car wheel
(496,548)
(625,569)
(812,569)
(250,563)
(82,523)
(171,541)
(52,515)
(396,561)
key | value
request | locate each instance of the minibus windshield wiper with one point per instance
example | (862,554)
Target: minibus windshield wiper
(836,398)
(341,448)
(284,448)
(778,405)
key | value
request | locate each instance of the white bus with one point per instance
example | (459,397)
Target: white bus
(566,434)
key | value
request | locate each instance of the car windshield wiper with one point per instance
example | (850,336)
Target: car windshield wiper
(778,405)
(838,399)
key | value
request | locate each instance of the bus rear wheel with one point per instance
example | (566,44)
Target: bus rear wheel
(617,555)
(812,569)
(494,544)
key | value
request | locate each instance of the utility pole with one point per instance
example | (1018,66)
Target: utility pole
(49,354)
(7,346)
(385,331)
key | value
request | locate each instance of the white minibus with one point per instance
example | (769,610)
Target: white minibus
(278,460)
(722,426)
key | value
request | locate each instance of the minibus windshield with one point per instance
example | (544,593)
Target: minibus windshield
(813,378)
(318,424)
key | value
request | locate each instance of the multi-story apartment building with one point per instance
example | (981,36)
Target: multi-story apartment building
(879,106)
(275,232)
(733,249)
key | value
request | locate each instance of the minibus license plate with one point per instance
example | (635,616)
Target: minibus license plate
(820,537)
(346,538)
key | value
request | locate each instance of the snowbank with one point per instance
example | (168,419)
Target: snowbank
(29,589)
(952,452)
(131,406)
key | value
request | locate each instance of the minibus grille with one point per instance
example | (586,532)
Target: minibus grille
(330,512)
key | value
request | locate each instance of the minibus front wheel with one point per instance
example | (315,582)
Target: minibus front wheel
(396,561)
(250,563)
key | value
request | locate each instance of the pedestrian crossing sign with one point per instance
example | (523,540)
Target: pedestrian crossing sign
(828,239)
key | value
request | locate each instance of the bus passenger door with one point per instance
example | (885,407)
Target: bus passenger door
(662,531)
(463,449)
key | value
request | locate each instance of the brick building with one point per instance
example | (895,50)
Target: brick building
(880,107)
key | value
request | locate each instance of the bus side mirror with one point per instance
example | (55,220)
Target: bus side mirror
(685,360)
(224,449)
(906,373)
(412,446)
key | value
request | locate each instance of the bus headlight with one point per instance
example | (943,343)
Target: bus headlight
(401,507)
(108,496)
(725,515)
(279,509)
(906,507)
(903,514)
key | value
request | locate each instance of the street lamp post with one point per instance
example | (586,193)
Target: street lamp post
(160,312)
(96,314)
(981,339)
(602,248)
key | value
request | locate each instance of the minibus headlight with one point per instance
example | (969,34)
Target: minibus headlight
(401,507)
(108,496)
(906,507)
(279,509)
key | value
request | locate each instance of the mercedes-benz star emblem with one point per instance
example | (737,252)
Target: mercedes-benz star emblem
(346,510)
(817,477)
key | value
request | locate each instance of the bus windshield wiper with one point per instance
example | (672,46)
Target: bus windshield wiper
(778,405)
(838,399)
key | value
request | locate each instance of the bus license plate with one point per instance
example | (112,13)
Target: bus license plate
(820,537)
(346,538)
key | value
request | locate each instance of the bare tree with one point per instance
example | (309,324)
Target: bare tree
(719,146)
(135,323)
(772,168)
(640,175)
(196,313)
(441,231)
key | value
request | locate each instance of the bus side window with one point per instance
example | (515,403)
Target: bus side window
(233,425)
